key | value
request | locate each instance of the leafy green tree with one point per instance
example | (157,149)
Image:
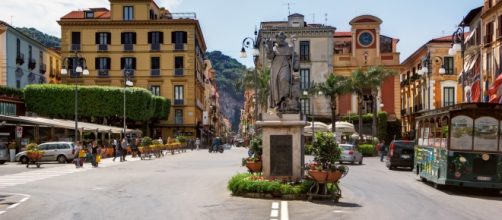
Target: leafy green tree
(367,83)
(333,87)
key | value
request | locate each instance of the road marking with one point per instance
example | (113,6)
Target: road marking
(274,213)
(26,197)
(275,205)
(284,210)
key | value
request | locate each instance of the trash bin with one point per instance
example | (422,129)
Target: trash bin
(4,154)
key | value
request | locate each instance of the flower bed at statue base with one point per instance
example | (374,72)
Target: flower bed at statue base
(255,186)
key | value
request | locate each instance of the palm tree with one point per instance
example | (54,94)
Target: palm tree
(333,87)
(262,85)
(369,81)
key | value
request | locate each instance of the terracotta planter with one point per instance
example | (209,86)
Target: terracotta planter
(334,176)
(34,155)
(318,176)
(255,166)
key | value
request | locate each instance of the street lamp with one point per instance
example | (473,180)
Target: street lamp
(426,70)
(79,63)
(128,74)
(306,93)
(458,44)
(251,43)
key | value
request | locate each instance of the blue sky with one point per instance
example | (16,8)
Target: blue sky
(226,22)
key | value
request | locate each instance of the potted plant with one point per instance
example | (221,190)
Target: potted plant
(145,143)
(253,162)
(325,152)
(33,153)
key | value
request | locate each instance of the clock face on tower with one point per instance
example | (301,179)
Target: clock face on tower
(365,39)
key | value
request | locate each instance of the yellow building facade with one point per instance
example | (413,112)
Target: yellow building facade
(161,51)
(435,88)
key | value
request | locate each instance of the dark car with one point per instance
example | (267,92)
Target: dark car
(400,154)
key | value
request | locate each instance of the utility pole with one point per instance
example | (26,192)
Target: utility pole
(289,7)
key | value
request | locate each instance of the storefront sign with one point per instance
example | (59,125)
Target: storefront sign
(19,131)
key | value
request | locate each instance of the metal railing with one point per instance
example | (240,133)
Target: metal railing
(155,47)
(178,46)
(75,47)
(179,72)
(128,47)
(102,47)
(103,73)
(179,102)
(155,72)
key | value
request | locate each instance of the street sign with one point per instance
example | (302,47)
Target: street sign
(19,131)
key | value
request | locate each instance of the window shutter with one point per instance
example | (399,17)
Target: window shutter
(97,37)
(184,37)
(122,38)
(161,37)
(108,63)
(149,37)
(109,38)
(133,63)
(122,62)
(173,37)
(96,62)
(133,38)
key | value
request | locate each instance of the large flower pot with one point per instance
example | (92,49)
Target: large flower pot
(334,176)
(12,155)
(318,176)
(254,166)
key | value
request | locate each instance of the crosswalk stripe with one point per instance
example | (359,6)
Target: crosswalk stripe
(36,175)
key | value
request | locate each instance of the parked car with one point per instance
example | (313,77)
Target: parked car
(61,152)
(350,154)
(400,154)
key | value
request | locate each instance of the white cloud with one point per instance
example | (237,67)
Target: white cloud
(43,15)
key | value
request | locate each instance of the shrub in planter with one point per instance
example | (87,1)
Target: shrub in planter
(367,150)
(248,183)
(308,149)
(325,150)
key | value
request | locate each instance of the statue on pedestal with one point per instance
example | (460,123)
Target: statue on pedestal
(284,85)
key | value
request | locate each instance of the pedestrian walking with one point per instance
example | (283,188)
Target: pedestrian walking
(197,143)
(116,149)
(76,157)
(383,150)
(95,154)
(123,146)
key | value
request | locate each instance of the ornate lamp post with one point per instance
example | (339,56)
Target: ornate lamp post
(458,44)
(251,43)
(128,74)
(79,68)
(426,70)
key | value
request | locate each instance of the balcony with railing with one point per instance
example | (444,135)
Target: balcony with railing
(128,47)
(183,15)
(179,46)
(155,72)
(43,68)
(20,59)
(155,47)
(75,47)
(32,64)
(103,73)
(179,72)
(102,47)
(179,102)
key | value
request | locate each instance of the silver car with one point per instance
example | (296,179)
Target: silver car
(61,152)
(350,154)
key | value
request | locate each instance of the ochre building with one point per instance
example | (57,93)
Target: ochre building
(160,50)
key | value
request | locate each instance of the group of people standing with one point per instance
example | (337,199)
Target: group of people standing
(81,154)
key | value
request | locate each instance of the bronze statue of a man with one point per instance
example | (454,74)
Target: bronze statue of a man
(284,62)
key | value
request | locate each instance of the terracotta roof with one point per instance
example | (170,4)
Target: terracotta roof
(343,34)
(99,13)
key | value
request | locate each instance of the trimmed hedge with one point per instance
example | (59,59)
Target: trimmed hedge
(58,101)
(248,183)
(367,150)
(9,91)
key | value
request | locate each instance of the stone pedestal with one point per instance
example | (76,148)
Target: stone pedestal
(283,151)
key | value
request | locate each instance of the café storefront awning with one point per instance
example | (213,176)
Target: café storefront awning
(60,123)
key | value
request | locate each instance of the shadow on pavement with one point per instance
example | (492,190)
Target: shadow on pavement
(339,204)
(488,194)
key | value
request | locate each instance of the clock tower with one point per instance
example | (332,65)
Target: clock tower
(366,35)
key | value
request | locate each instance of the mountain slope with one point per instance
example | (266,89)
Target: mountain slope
(228,71)
(45,39)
